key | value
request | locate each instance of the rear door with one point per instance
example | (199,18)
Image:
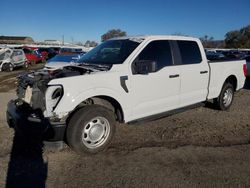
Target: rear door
(158,91)
(194,73)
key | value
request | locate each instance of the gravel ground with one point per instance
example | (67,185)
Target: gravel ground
(198,148)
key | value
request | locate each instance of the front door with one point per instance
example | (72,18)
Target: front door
(155,92)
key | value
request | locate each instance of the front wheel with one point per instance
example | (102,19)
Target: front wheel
(225,99)
(91,129)
(8,67)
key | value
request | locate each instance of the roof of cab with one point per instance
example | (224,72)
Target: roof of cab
(146,37)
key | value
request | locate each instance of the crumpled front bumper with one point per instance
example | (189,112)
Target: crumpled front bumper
(24,119)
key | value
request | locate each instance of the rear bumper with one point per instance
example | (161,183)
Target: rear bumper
(30,122)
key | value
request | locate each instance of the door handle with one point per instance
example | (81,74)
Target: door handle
(174,76)
(203,72)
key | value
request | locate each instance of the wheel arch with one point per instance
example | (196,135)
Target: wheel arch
(232,79)
(105,101)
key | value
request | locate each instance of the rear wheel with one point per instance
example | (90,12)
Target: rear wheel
(91,129)
(225,99)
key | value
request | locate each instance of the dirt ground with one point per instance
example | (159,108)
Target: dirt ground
(198,148)
(7,79)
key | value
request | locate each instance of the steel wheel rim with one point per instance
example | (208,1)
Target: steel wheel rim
(96,132)
(228,97)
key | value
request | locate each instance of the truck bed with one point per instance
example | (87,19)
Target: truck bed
(220,71)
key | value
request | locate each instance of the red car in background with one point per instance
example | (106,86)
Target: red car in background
(33,56)
(44,54)
(47,52)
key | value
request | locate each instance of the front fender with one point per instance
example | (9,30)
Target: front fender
(69,102)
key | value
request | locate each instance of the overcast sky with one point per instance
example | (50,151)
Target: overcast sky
(81,20)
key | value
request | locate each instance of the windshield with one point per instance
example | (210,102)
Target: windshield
(110,52)
(5,54)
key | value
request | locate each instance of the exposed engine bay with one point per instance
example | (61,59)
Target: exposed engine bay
(31,87)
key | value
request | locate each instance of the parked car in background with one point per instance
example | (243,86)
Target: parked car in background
(62,60)
(212,55)
(70,50)
(11,58)
(33,56)
(48,53)
(56,49)
(234,54)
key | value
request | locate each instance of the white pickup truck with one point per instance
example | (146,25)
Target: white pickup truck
(122,80)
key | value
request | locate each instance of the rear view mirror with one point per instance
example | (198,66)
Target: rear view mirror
(145,66)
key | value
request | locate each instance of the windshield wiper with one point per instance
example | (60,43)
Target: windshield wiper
(96,66)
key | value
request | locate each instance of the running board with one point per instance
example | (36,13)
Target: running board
(166,114)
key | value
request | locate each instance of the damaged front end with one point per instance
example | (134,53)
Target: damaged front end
(32,111)
(32,87)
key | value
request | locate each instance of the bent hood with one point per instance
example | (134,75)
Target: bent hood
(58,65)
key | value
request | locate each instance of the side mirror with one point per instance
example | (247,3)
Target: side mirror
(145,66)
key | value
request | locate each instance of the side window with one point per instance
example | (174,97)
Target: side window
(26,51)
(190,52)
(158,51)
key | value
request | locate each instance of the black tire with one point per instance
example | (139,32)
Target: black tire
(8,67)
(84,122)
(220,102)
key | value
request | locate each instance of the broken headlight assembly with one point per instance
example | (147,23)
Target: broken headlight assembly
(54,94)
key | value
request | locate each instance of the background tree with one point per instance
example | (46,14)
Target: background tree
(207,41)
(238,38)
(112,34)
(89,43)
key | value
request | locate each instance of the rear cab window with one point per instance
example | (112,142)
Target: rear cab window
(190,52)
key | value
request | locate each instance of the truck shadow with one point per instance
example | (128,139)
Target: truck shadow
(26,166)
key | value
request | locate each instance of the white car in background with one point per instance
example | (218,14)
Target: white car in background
(11,58)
